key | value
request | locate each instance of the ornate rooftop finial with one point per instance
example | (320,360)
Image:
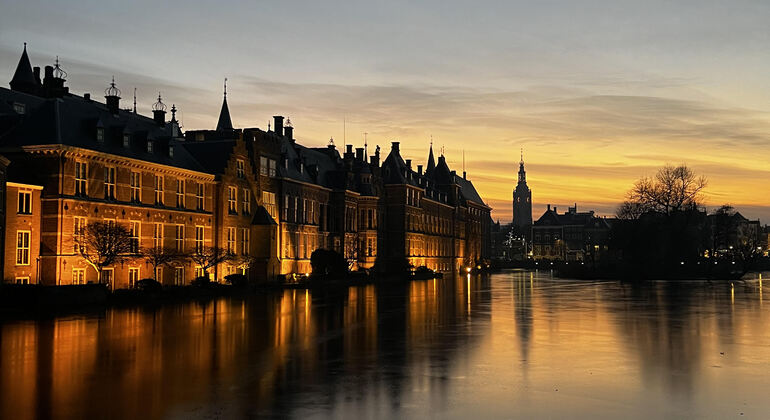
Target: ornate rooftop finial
(173,112)
(288,122)
(134,100)
(112,90)
(59,73)
(159,106)
(225,87)
(331,141)
(522,155)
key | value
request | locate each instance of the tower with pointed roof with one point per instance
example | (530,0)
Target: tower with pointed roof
(23,78)
(522,202)
(224,123)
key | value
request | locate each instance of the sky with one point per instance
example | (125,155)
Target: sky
(596,93)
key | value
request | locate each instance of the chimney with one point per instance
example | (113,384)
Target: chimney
(278,124)
(395,147)
(554,209)
(419,169)
(36,73)
(48,76)
(409,163)
(159,116)
(288,131)
(374,160)
(549,207)
(112,95)
(464,175)
(359,153)
(87,96)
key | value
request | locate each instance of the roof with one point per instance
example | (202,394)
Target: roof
(571,218)
(72,120)
(224,123)
(468,191)
(211,155)
(262,217)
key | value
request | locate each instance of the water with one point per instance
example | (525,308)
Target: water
(511,345)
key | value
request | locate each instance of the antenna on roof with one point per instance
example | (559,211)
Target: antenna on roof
(268,126)
(225,87)
(134,100)
(463,160)
(366,146)
(344,137)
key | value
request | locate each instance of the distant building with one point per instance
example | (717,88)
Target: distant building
(731,232)
(522,203)
(570,236)
(255,193)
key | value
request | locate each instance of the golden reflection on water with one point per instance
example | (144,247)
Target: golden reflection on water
(517,344)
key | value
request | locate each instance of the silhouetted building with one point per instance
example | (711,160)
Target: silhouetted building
(257,194)
(731,232)
(522,203)
(570,236)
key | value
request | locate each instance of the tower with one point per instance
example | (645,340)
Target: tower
(522,202)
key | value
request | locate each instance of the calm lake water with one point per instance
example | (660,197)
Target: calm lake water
(510,345)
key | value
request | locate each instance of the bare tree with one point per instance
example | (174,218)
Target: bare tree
(102,244)
(672,189)
(209,257)
(158,256)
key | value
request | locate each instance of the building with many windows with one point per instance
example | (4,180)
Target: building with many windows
(254,193)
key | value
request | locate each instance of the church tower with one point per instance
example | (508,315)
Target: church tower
(522,202)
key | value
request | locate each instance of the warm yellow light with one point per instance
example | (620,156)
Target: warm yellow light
(468,270)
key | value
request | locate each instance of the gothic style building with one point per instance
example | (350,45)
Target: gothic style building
(522,203)
(73,160)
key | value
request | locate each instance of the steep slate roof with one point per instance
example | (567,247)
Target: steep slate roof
(224,123)
(23,78)
(72,120)
(211,155)
(262,217)
(468,191)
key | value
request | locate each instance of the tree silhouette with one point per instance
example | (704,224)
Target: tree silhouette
(102,244)
(671,190)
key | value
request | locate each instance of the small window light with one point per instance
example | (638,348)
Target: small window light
(19,108)
(126,140)
(149,146)
(171,151)
(100,134)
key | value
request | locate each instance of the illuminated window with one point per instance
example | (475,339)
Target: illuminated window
(149,146)
(199,196)
(178,276)
(159,189)
(134,229)
(179,238)
(180,193)
(245,237)
(268,201)
(240,168)
(24,205)
(246,201)
(232,200)
(80,178)
(199,239)
(157,235)
(136,187)
(231,240)
(126,140)
(133,276)
(79,224)
(109,183)
(78,276)
(22,247)
(100,134)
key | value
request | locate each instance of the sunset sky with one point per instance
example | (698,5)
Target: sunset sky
(597,93)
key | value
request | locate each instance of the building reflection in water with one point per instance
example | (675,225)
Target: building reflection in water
(406,349)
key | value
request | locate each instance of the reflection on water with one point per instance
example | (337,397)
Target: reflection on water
(515,344)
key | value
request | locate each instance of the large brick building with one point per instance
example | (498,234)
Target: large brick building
(256,193)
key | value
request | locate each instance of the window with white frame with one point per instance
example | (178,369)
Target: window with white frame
(22,247)
(109,183)
(24,205)
(231,240)
(245,241)
(78,276)
(199,239)
(81,181)
(157,235)
(268,201)
(133,276)
(199,196)
(179,238)
(285,207)
(180,193)
(136,186)
(159,189)
(134,229)
(271,166)
(246,197)
(79,228)
(232,200)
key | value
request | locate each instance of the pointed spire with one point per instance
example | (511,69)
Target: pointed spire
(225,123)
(522,172)
(431,160)
(23,79)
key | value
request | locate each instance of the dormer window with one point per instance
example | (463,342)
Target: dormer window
(19,108)
(126,140)
(149,146)
(100,134)
(171,151)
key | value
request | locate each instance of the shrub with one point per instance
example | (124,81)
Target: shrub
(149,285)
(327,262)
(201,281)
(237,280)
